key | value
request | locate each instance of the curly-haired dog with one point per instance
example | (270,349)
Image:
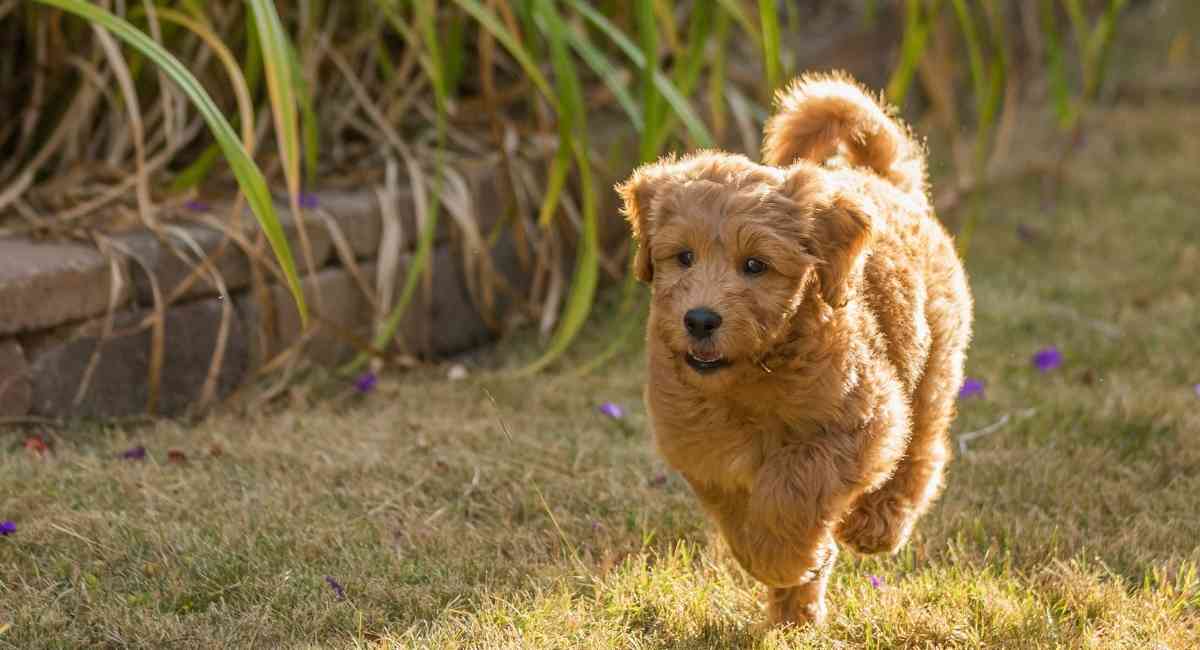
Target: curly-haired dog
(806,335)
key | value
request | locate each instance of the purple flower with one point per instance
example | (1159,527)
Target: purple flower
(612,410)
(366,382)
(196,205)
(134,453)
(7,527)
(309,201)
(1047,359)
(337,587)
(659,480)
(1197,389)
(971,388)
(1026,233)
(876,581)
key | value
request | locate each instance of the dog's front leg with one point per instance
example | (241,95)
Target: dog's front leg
(795,574)
(804,489)
(773,559)
(797,497)
(728,507)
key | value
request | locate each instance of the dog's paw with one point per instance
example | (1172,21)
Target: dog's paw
(799,606)
(876,525)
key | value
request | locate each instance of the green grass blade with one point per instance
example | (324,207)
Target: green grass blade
(716,77)
(670,93)
(425,54)
(997,78)
(700,30)
(193,7)
(308,120)
(426,13)
(249,176)
(515,48)
(453,53)
(737,12)
(990,109)
(974,49)
(427,24)
(626,330)
(253,67)
(198,170)
(701,25)
(912,49)
(609,73)
(871,12)
(1098,48)
(198,23)
(557,180)
(652,102)
(664,13)
(586,276)
(420,265)
(573,129)
(310,139)
(523,11)
(1059,89)
(281,86)
(1079,23)
(768,16)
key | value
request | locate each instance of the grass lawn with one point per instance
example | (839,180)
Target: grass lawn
(493,512)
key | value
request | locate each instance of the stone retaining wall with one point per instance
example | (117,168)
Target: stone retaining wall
(54,297)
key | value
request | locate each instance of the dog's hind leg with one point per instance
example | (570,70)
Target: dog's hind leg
(882,520)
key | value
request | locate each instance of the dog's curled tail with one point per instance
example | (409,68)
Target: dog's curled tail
(818,113)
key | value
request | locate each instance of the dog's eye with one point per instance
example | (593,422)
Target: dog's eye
(754,266)
(686,258)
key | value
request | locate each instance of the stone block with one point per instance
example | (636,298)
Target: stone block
(43,284)
(453,321)
(172,267)
(172,264)
(318,236)
(342,315)
(120,385)
(15,391)
(441,322)
(360,218)
(342,312)
(488,192)
(357,215)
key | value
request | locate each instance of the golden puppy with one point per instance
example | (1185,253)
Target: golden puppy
(806,335)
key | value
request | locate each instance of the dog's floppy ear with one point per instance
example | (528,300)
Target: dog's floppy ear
(838,233)
(840,236)
(637,194)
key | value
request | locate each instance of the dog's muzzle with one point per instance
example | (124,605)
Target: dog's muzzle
(701,322)
(704,363)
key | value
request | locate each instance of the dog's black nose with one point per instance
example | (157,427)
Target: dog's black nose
(701,322)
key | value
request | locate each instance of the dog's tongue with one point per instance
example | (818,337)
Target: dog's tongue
(705,357)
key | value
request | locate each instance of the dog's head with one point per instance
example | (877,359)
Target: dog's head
(733,249)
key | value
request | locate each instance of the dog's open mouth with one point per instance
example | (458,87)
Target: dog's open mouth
(705,363)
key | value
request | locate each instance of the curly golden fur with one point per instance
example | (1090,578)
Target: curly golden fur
(806,335)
